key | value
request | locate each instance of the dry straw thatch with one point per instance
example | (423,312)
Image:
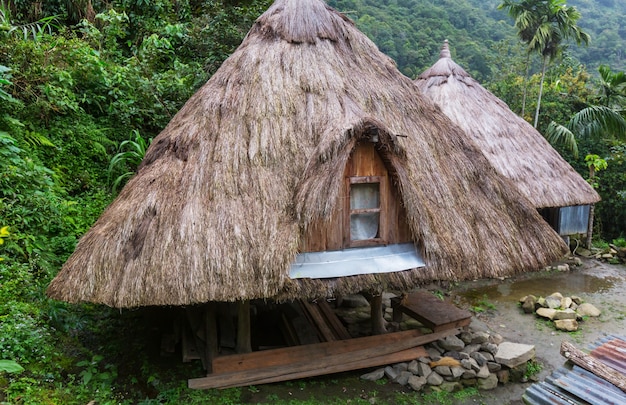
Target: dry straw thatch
(513,146)
(225,193)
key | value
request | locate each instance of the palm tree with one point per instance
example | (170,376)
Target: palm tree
(613,86)
(543,25)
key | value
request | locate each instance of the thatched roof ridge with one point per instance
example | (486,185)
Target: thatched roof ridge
(512,145)
(227,190)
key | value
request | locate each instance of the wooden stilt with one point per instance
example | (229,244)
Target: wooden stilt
(210,324)
(376,313)
(244,344)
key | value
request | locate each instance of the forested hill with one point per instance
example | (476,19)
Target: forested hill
(412,31)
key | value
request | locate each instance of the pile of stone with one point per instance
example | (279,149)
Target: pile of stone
(612,254)
(471,359)
(565,312)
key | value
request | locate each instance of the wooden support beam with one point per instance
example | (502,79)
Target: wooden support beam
(320,357)
(210,324)
(570,352)
(244,343)
(376,314)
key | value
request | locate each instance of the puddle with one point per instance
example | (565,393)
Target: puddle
(565,283)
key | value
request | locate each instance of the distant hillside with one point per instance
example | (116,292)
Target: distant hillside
(412,31)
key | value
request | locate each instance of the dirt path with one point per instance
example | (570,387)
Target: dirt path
(598,283)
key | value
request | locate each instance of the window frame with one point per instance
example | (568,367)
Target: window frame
(381,210)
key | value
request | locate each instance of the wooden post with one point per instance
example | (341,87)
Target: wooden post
(244,344)
(210,333)
(376,313)
(570,352)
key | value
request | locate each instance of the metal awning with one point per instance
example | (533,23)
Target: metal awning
(352,262)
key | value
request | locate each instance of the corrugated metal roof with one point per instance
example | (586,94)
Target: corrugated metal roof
(576,385)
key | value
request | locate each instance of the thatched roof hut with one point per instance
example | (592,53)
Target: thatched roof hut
(513,146)
(243,178)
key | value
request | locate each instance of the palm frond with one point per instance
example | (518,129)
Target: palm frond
(598,122)
(558,134)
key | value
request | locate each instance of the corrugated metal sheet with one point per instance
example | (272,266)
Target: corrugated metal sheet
(576,385)
(573,219)
(350,262)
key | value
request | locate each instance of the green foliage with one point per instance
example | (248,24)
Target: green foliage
(131,153)
(533,368)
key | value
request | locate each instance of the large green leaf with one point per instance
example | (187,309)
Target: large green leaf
(10,366)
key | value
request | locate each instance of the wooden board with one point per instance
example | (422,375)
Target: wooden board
(402,356)
(432,312)
(309,360)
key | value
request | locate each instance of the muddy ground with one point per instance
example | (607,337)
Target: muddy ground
(599,283)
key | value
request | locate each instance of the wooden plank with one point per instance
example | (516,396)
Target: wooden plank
(339,330)
(431,311)
(570,352)
(325,333)
(320,356)
(398,357)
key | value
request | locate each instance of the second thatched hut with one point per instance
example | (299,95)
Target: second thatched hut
(513,147)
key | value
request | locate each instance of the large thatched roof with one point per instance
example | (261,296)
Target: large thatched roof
(516,149)
(225,193)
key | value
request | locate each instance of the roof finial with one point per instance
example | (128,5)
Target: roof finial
(445,50)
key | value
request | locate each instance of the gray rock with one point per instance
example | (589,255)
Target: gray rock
(480,337)
(493,366)
(556,295)
(541,303)
(587,309)
(553,302)
(528,306)
(424,359)
(374,375)
(477,325)
(513,354)
(443,370)
(463,356)
(483,372)
(403,378)
(488,356)
(566,302)
(565,314)
(567,325)
(434,379)
(471,348)
(400,367)
(577,300)
(488,383)
(454,354)
(416,383)
(489,348)
(450,386)
(391,373)
(451,343)
(467,374)
(480,359)
(412,367)
(475,365)
(496,338)
(466,337)
(433,353)
(354,301)
(457,372)
(467,364)
(423,370)
(547,313)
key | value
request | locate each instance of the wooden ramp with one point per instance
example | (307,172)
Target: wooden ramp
(295,362)
(429,310)
(337,351)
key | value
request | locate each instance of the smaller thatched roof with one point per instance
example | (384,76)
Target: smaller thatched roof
(516,149)
(229,188)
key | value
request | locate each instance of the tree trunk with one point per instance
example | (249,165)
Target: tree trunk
(543,75)
(525,85)
(592,208)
